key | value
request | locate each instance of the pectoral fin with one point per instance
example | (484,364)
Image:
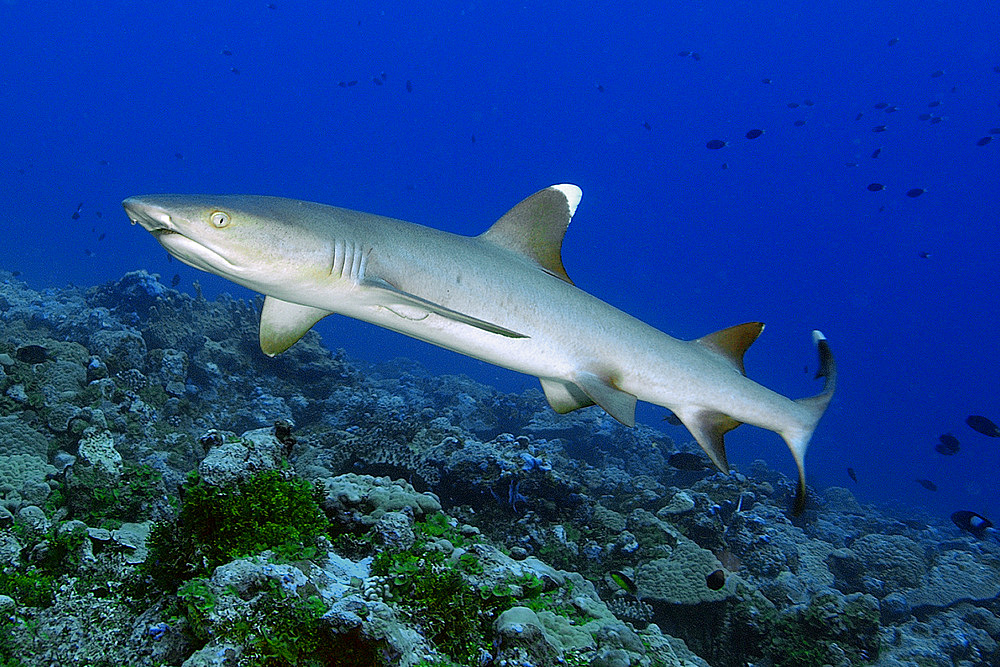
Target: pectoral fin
(413,307)
(283,323)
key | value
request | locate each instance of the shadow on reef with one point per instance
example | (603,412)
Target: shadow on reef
(172,496)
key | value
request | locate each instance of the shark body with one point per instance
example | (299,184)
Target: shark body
(502,297)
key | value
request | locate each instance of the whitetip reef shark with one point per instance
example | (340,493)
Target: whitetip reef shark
(502,297)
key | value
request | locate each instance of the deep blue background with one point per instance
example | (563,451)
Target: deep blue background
(99,99)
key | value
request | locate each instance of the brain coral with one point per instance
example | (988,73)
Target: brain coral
(895,559)
(956,575)
(22,470)
(680,577)
(365,498)
(16,437)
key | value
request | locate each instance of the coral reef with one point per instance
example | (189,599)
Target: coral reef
(171,496)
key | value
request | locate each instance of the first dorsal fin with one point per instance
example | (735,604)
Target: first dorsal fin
(535,227)
(732,343)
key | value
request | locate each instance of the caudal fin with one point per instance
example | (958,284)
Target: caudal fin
(815,406)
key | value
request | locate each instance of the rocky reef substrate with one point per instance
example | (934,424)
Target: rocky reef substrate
(171,496)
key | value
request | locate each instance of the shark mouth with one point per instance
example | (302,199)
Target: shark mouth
(164,229)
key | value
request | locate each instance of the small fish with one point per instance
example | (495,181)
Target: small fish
(673,419)
(984,141)
(624,581)
(383,75)
(725,165)
(88,252)
(684,54)
(972,522)
(716,144)
(935,103)
(876,152)
(97,213)
(879,128)
(352,82)
(600,88)
(881,105)
(936,73)
(799,123)
(923,254)
(688,461)
(409,86)
(925,116)
(234,70)
(716,580)
(853,475)
(179,156)
(927,484)
(876,187)
(473,138)
(646,125)
(948,444)
(808,103)
(937,119)
(915,192)
(850,164)
(377,81)
(226,52)
(793,105)
(76,213)
(176,280)
(859,116)
(983,425)
(342,84)
(696,56)
(892,109)
(766,80)
(893,42)
(753,134)
(101,236)
(31,354)
(995,130)
(271,5)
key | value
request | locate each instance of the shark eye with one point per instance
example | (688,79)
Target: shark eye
(219,219)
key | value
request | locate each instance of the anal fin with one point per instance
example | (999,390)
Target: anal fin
(708,428)
(283,323)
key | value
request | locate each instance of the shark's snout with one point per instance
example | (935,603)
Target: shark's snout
(152,217)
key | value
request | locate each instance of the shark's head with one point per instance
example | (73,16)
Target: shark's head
(255,241)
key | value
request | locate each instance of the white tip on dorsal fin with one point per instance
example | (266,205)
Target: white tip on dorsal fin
(535,227)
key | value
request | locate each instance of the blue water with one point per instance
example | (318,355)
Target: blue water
(105,100)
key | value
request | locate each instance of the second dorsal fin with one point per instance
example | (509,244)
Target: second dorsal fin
(733,342)
(535,227)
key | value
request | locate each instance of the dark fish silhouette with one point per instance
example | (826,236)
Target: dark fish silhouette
(882,105)
(793,105)
(409,86)
(984,141)
(876,152)
(799,123)
(876,187)
(716,144)
(879,128)
(766,80)
(646,125)
(915,192)
(923,254)
(673,419)
(753,134)
(853,475)
(935,103)
(948,446)
(716,580)
(983,425)
(927,484)
(894,41)
(176,280)
(936,73)
(76,213)
(971,522)
(31,354)
(688,461)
